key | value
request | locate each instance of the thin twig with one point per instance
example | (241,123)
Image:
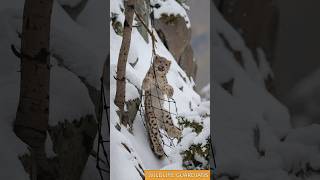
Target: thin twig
(145,25)
(148,30)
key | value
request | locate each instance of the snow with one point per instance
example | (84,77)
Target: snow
(64,102)
(304,100)
(246,122)
(169,7)
(222,28)
(81,45)
(90,172)
(93,19)
(13,148)
(120,155)
(264,66)
(115,7)
(10,165)
(83,53)
(205,92)
(186,100)
(253,135)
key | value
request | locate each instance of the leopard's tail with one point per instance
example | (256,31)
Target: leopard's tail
(153,127)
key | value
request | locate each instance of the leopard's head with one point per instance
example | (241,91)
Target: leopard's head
(162,65)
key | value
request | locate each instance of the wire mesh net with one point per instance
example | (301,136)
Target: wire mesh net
(158,96)
(102,156)
(213,166)
(103,164)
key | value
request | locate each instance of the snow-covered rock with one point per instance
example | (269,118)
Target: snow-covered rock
(253,136)
(188,102)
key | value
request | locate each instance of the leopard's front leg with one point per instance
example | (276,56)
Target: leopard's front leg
(168,125)
(168,90)
(147,84)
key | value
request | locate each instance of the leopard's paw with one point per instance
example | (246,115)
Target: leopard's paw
(169,91)
(174,132)
(146,84)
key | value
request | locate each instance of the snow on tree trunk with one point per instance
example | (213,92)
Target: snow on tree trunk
(123,57)
(33,111)
(131,147)
(74,82)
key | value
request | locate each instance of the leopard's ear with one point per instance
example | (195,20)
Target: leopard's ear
(157,59)
(168,63)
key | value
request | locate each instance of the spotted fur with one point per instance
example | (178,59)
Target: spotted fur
(157,117)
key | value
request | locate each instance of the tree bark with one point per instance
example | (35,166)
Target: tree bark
(123,57)
(33,110)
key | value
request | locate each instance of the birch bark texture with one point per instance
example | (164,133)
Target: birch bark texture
(32,116)
(123,57)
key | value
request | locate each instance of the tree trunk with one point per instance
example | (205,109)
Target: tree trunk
(123,56)
(33,111)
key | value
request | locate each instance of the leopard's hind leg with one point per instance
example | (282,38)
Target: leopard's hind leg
(168,125)
(153,127)
(155,138)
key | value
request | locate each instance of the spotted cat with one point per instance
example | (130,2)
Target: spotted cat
(155,85)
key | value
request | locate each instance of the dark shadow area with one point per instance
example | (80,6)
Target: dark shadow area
(266,89)
(54,90)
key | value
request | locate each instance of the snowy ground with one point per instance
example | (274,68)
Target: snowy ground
(81,44)
(253,135)
(188,102)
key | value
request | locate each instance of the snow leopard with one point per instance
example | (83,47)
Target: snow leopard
(155,86)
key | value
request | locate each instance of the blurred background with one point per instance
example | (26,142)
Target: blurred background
(287,31)
(297,60)
(266,123)
(297,47)
(200,24)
